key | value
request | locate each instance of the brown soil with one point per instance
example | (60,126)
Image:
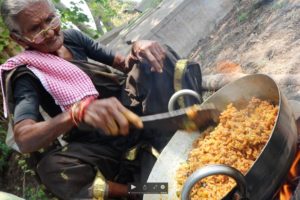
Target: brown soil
(260,36)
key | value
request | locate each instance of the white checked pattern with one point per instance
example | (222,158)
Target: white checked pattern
(65,82)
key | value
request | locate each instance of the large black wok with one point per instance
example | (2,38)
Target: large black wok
(271,167)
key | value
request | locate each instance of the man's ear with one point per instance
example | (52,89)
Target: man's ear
(18,40)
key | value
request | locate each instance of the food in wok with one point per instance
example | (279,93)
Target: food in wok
(236,141)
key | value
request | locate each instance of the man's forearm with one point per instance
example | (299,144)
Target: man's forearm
(32,136)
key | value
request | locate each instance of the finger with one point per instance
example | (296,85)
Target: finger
(133,119)
(109,122)
(115,110)
(112,127)
(130,116)
(103,120)
(160,55)
(162,51)
(104,128)
(153,61)
(92,119)
(122,122)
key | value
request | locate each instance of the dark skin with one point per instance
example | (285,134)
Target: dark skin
(107,114)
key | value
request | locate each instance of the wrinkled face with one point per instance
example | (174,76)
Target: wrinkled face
(39,27)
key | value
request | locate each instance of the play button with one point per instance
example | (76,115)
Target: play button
(132,187)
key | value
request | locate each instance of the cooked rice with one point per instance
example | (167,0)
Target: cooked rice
(237,141)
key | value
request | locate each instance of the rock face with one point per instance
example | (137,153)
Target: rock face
(179,24)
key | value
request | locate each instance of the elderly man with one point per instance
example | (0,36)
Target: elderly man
(53,74)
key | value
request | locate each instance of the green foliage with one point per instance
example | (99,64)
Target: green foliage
(4,42)
(110,13)
(73,14)
(8,48)
(22,164)
(4,150)
(36,193)
(30,189)
(4,154)
(243,16)
(104,10)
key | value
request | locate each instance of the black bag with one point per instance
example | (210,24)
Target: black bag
(154,90)
(108,81)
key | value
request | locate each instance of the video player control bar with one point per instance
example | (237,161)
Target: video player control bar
(148,188)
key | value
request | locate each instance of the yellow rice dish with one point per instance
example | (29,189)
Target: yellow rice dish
(236,141)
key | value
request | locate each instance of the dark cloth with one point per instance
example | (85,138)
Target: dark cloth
(82,47)
(27,100)
(152,90)
(29,94)
(68,172)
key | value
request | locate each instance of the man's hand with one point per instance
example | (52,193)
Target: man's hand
(150,51)
(111,116)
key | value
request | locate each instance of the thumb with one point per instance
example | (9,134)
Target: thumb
(133,119)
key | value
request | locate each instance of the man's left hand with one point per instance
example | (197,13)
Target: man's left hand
(150,51)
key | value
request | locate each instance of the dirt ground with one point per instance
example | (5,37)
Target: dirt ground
(257,36)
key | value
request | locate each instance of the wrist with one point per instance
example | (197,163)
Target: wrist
(134,51)
(73,112)
(117,190)
(77,110)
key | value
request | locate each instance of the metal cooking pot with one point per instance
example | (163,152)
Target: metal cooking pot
(271,167)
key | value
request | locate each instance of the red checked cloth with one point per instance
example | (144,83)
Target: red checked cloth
(65,82)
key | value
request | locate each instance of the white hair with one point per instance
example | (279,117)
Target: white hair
(11,8)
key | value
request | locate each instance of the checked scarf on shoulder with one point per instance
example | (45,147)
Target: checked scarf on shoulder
(65,82)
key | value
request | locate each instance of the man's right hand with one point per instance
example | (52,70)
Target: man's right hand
(111,116)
